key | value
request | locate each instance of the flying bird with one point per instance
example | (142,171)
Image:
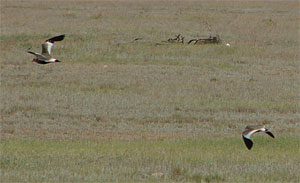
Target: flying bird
(45,57)
(250,130)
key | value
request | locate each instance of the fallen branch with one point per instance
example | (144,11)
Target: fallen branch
(118,42)
(211,40)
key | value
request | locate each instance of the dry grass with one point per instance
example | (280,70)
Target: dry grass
(141,112)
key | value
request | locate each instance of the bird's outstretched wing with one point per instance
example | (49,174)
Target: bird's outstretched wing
(47,48)
(48,44)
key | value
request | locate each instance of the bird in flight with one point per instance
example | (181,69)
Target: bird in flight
(250,130)
(45,57)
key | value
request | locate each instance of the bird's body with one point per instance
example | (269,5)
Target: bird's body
(45,57)
(250,130)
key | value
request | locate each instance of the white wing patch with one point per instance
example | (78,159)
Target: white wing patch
(250,133)
(254,131)
(52,60)
(47,47)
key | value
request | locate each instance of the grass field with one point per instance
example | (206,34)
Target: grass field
(115,111)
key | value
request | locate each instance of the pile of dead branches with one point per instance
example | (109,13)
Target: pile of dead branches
(180,39)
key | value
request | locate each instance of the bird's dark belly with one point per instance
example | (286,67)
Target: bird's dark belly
(40,61)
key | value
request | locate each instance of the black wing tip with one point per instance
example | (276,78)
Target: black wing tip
(248,143)
(270,134)
(56,38)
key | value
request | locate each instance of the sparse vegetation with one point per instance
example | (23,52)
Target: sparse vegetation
(141,112)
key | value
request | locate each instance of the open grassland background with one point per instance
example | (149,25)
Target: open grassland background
(138,112)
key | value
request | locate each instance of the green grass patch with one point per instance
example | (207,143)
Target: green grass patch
(194,160)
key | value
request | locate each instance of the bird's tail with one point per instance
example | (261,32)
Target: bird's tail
(31,52)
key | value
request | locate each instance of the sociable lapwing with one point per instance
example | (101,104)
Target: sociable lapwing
(45,57)
(250,130)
